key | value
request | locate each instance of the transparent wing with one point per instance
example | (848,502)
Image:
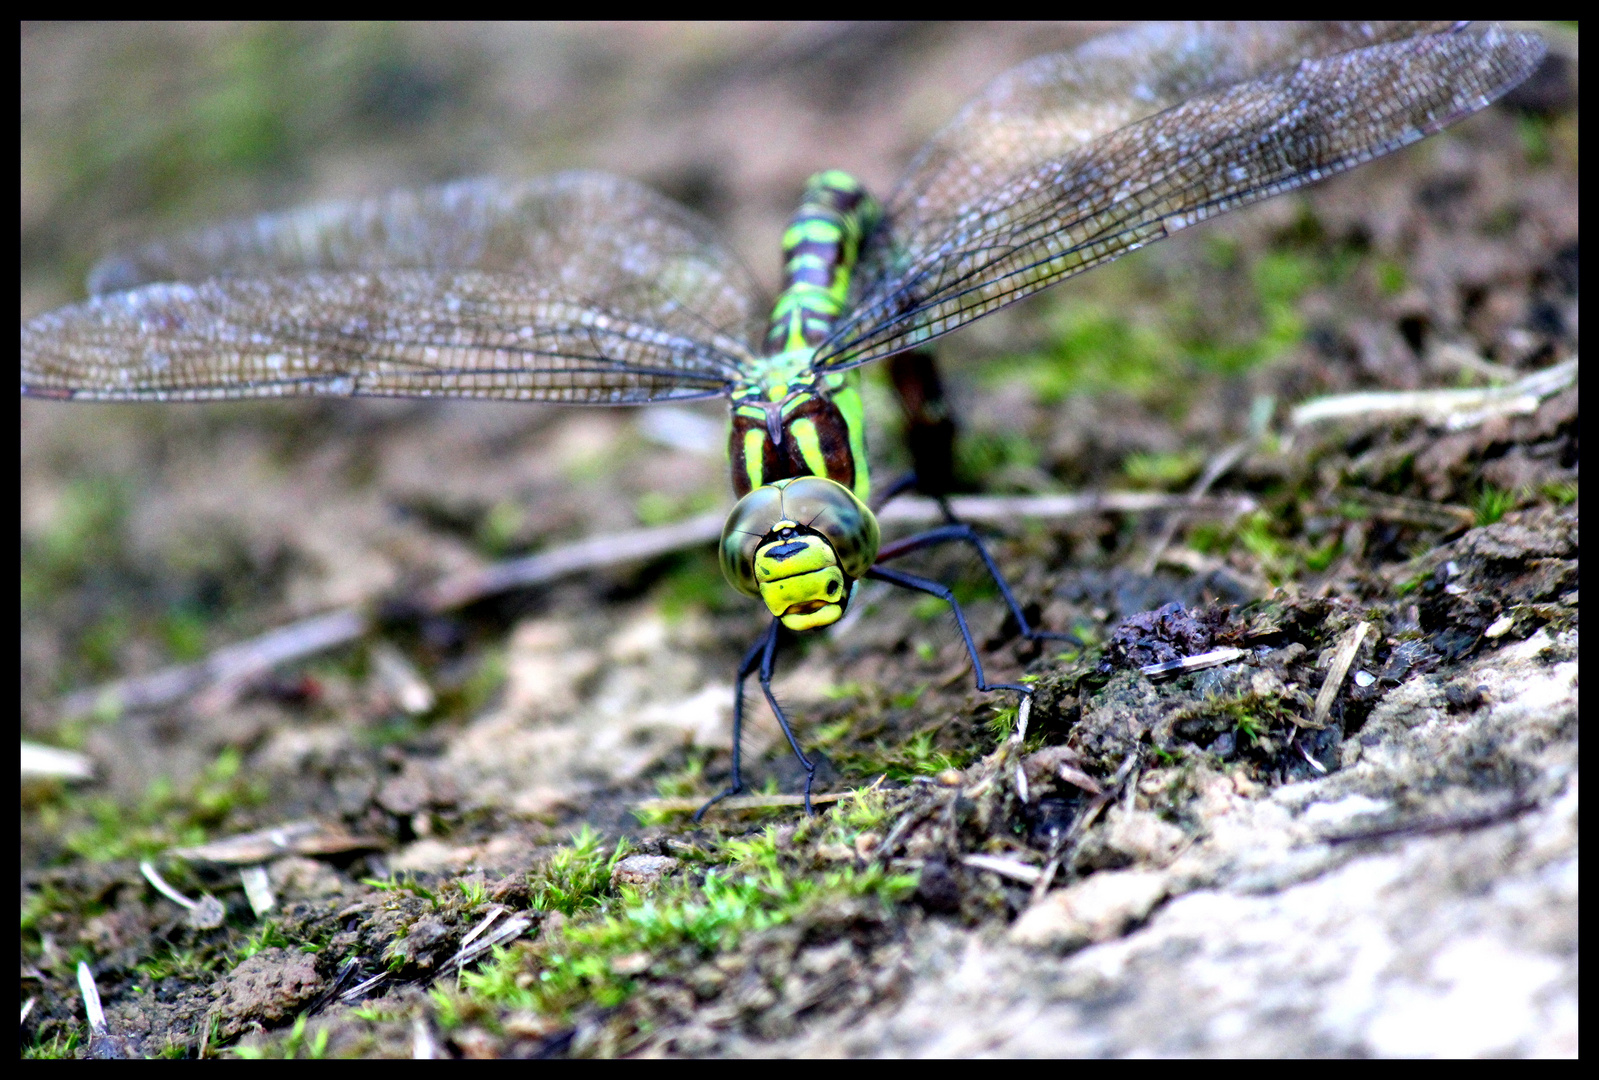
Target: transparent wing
(580,288)
(1077,158)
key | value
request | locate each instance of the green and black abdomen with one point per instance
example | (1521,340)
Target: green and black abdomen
(796,422)
(820,249)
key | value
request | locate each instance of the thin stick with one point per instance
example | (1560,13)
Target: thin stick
(741,802)
(1336,671)
(1455,410)
(235,666)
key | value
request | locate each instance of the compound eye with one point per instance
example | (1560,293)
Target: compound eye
(843,521)
(751,519)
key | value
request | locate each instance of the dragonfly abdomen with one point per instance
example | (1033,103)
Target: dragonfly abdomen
(820,249)
(789,421)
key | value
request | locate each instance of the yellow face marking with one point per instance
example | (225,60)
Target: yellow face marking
(804,594)
(824,615)
(800,581)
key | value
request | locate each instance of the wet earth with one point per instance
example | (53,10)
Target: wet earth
(1353,833)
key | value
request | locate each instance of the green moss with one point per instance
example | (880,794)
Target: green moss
(1254,719)
(269,935)
(984,458)
(473,694)
(1272,536)
(664,508)
(607,949)
(168,961)
(867,810)
(917,756)
(500,532)
(45,900)
(1162,472)
(683,782)
(577,877)
(1319,557)
(165,817)
(1093,349)
(474,891)
(1003,723)
(406,883)
(59,1045)
(376,1013)
(1533,132)
(833,734)
(185,633)
(85,530)
(1257,534)
(295,1044)
(694,582)
(1492,504)
(1391,279)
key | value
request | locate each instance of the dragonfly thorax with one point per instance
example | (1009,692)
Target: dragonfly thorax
(815,430)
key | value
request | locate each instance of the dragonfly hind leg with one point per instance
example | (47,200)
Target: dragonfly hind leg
(929,423)
(930,437)
(929,431)
(960,532)
(762,655)
(934,588)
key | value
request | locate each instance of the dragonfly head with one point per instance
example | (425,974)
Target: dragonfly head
(800,545)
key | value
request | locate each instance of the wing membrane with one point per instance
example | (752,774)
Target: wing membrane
(577,288)
(1076,159)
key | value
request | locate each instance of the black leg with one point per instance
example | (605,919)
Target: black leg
(929,430)
(894,490)
(921,584)
(929,425)
(906,483)
(761,652)
(959,531)
(777,710)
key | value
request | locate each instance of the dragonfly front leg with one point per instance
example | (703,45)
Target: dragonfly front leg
(760,653)
(961,532)
(782,721)
(933,588)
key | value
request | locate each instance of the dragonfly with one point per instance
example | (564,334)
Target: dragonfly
(585,288)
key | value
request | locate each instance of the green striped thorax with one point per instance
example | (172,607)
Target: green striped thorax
(801,535)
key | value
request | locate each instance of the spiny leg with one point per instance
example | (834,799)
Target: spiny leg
(929,423)
(906,483)
(929,430)
(930,437)
(777,710)
(921,584)
(762,648)
(960,531)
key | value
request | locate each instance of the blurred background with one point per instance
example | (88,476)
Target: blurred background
(153,534)
(156,533)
